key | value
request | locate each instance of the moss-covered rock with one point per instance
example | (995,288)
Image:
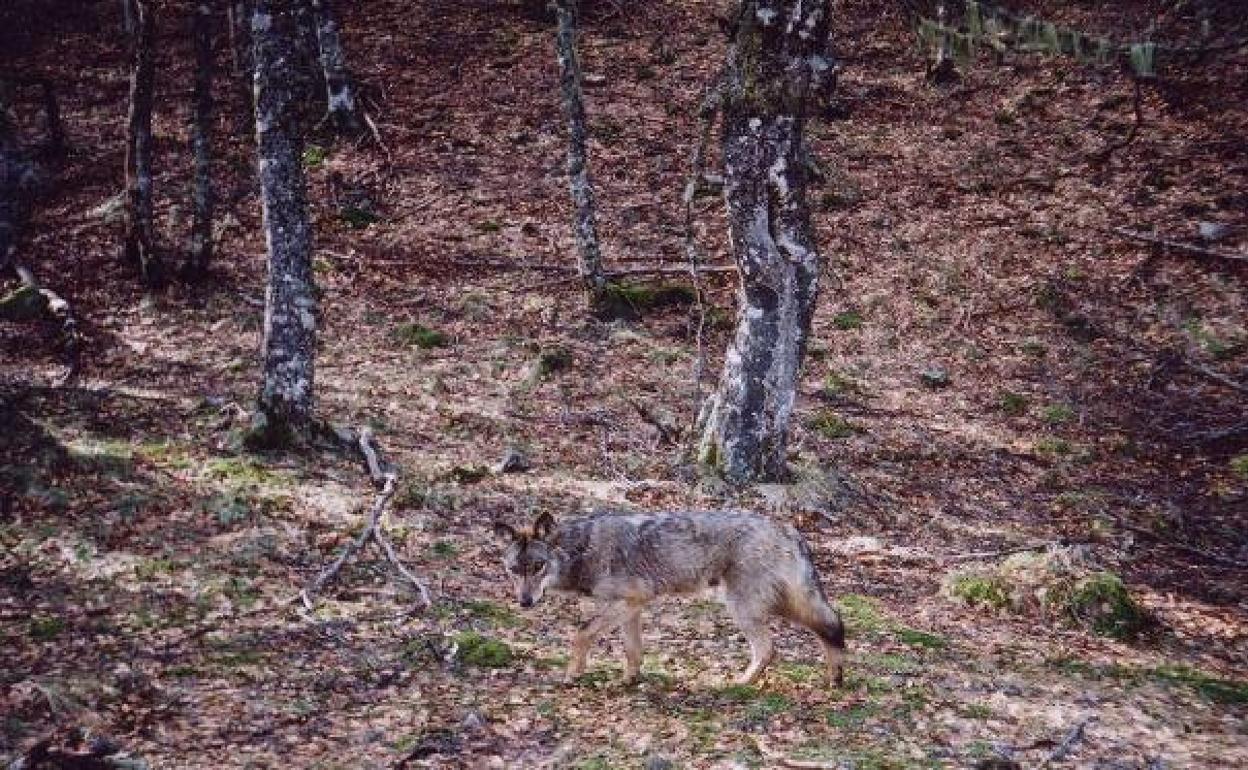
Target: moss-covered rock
(1060,585)
(1101,601)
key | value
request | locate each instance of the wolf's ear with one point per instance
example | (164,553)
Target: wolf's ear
(544,527)
(504,530)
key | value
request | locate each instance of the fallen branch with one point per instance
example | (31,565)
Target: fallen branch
(1225,561)
(60,309)
(1213,376)
(1223,437)
(386,481)
(1177,245)
(634,271)
(978,555)
(1074,736)
(784,761)
(76,749)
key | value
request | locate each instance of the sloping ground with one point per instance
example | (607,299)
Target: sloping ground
(147,564)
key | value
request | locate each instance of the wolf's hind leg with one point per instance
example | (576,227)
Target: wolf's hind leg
(753,624)
(812,610)
(632,644)
(608,616)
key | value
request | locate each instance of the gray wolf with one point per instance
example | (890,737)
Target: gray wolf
(761,569)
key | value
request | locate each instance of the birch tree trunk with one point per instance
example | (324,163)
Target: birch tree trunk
(139,239)
(201,126)
(776,57)
(284,409)
(589,254)
(343,107)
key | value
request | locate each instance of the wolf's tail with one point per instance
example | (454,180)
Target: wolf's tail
(809,606)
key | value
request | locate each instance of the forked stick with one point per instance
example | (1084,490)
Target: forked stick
(386,481)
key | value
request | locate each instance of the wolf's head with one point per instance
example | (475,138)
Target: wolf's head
(532,560)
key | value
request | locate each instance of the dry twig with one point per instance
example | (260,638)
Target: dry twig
(386,481)
(1178,245)
(706,121)
(784,761)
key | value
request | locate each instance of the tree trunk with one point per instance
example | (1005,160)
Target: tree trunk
(18,182)
(57,145)
(284,408)
(343,107)
(239,13)
(139,244)
(589,254)
(201,127)
(776,58)
(128,17)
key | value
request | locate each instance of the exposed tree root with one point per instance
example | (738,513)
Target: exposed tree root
(76,749)
(386,481)
(38,300)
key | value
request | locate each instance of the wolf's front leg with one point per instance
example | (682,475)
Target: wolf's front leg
(608,616)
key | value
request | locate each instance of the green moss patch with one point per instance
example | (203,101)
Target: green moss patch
(847,321)
(831,425)
(482,651)
(417,335)
(631,300)
(860,613)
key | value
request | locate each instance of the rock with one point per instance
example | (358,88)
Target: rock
(514,461)
(590,79)
(935,377)
(1212,231)
(473,722)
(23,304)
(655,762)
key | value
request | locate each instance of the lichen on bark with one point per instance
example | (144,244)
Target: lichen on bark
(585,227)
(284,406)
(775,61)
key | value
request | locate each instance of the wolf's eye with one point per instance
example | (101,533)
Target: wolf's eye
(537,565)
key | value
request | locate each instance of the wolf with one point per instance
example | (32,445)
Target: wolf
(760,568)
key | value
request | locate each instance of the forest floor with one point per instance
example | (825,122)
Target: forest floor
(1076,392)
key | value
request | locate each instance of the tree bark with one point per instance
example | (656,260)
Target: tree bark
(57,144)
(201,128)
(239,18)
(128,17)
(342,104)
(284,407)
(776,59)
(18,182)
(139,247)
(589,253)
